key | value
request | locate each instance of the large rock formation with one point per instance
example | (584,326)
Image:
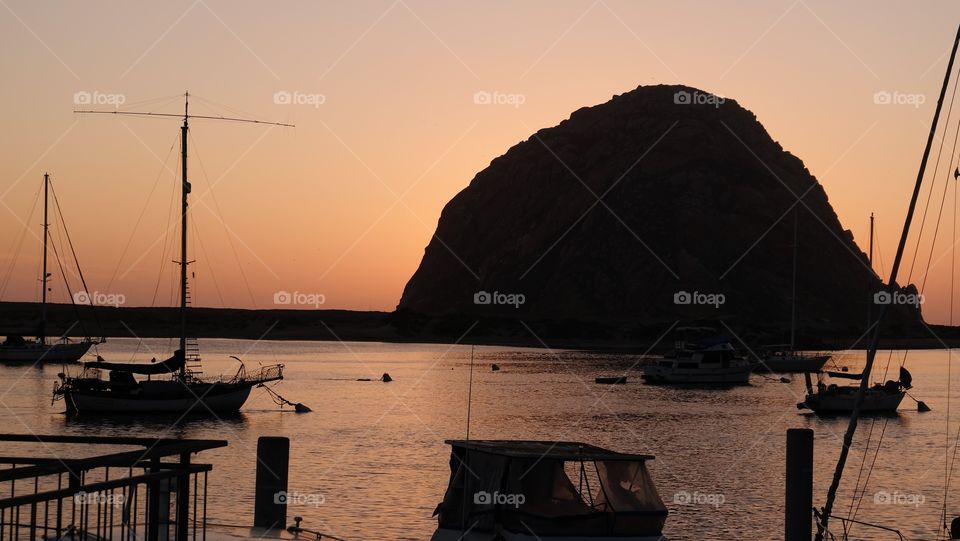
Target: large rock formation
(614,213)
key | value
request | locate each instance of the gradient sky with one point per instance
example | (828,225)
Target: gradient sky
(344,204)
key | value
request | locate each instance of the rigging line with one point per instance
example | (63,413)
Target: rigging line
(206,259)
(883,431)
(19,246)
(223,106)
(216,203)
(858,500)
(933,177)
(876,246)
(76,260)
(143,211)
(946,449)
(66,282)
(943,200)
(166,242)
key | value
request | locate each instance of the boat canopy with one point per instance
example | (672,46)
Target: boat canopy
(168,366)
(550,488)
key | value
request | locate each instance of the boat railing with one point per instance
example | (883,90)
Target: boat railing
(138,488)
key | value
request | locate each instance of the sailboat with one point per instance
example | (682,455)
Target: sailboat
(824,514)
(839,399)
(786,358)
(179,387)
(15,348)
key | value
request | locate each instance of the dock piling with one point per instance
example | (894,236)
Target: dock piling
(798,503)
(270,494)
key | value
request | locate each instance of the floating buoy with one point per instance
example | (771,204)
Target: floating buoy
(494,367)
(299,407)
(386,378)
(784,380)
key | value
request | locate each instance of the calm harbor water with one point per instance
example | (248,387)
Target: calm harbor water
(370,462)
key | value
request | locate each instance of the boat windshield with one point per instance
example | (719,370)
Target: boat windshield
(551,495)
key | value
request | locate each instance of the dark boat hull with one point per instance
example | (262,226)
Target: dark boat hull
(162,397)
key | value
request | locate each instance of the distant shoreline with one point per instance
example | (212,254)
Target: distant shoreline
(396,327)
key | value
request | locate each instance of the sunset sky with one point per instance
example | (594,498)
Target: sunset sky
(387,128)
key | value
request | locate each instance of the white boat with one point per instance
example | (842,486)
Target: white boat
(174,386)
(840,399)
(707,361)
(550,491)
(17,350)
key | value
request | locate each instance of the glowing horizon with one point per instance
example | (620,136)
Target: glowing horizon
(390,126)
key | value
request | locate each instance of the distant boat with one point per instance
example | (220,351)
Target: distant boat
(516,490)
(700,357)
(180,387)
(790,360)
(611,380)
(15,348)
(786,358)
(841,399)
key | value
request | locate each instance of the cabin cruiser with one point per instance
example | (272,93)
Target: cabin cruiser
(542,490)
(700,357)
(840,399)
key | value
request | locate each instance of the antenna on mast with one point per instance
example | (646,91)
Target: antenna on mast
(185,189)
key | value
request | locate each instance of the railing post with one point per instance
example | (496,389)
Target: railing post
(798,503)
(270,494)
(153,502)
(183,497)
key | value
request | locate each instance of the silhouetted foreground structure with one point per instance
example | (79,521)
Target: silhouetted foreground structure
(121,494)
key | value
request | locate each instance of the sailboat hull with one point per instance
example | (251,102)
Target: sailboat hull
(171,397)
(873,402)
(70,352)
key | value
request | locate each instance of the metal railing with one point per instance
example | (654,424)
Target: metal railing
(122,494)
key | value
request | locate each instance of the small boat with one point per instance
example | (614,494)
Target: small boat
(774,359)
(702,358)
(611,380)
(839,399)
(518,490)
(15,349)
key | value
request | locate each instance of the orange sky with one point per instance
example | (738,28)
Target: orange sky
(343,205)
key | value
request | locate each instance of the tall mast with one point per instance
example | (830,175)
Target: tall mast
(875,333)
(871,241)
(184,192)
(793,297)
(43,280)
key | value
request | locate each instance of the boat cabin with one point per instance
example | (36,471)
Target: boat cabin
(549,489)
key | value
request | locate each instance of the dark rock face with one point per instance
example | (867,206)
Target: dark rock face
(618,210)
